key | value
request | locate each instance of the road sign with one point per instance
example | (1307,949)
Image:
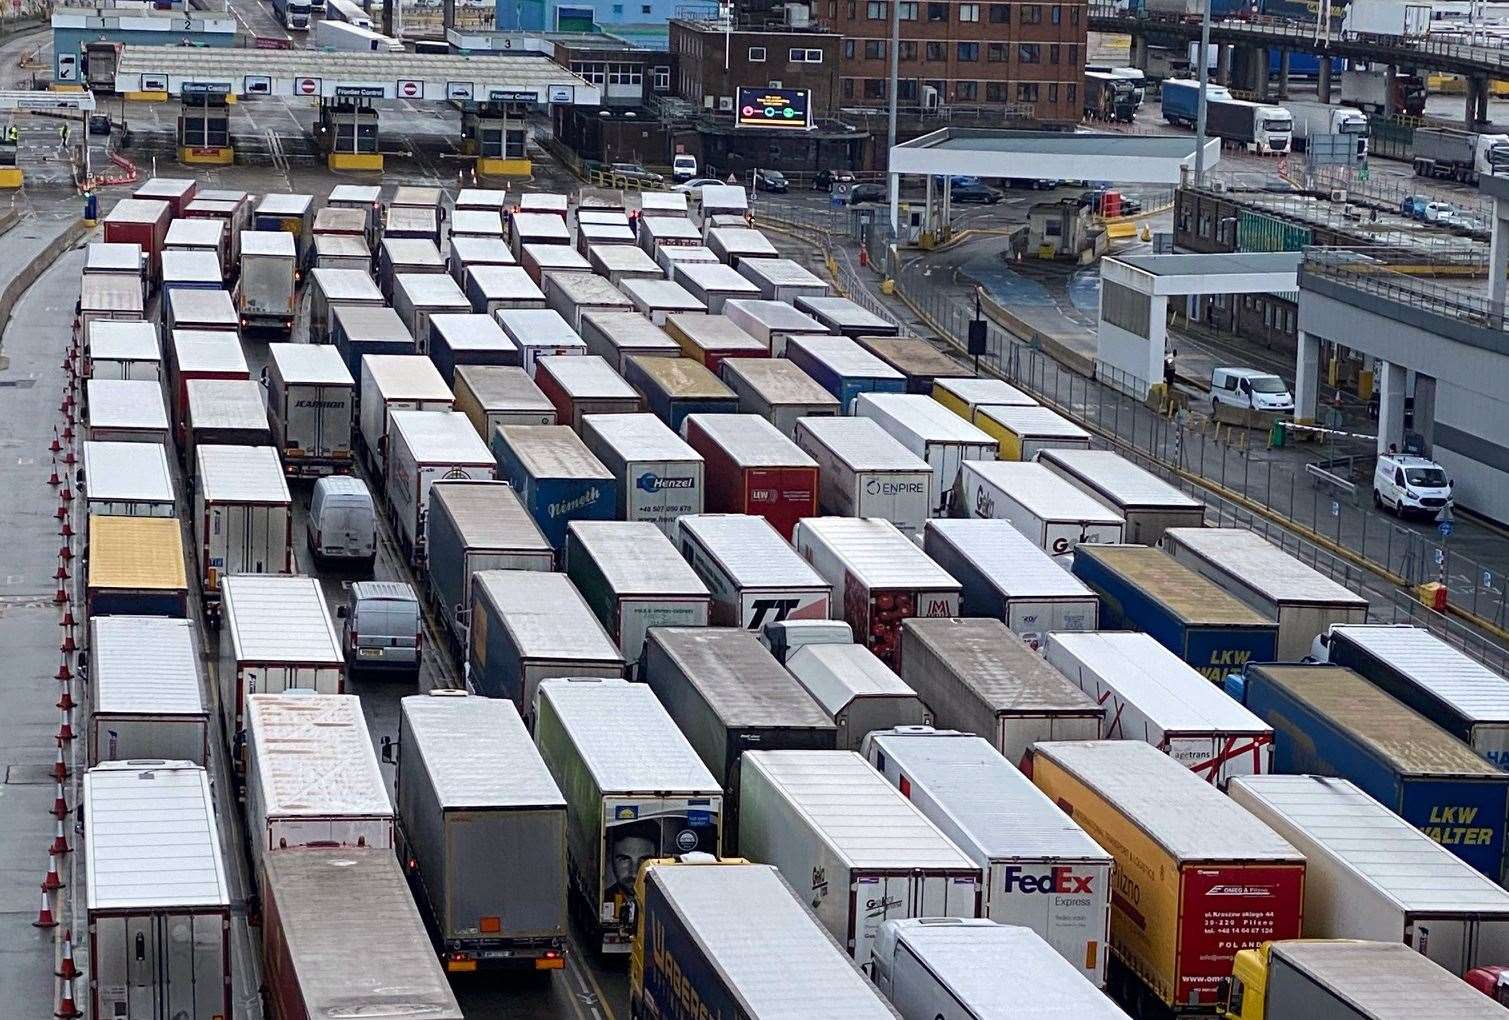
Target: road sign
(1440,557)
(409,88)
(1364,174)
(306,86)
(1487,579)
(1335,508)
(1444,528)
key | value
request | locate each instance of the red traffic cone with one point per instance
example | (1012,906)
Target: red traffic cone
(67,620)
(54,480)
(68,645)
(59,767)
(68,433)
(56,447)
(64,552)
(62,513)
(60,803)
(66,495)
(52,882)
(66,531)
(64,674)
(59,842)
(65,728)
(66,701)
(67,969)
(67,1009)
(44,916)
(61,574)
(60,597)
(70,458)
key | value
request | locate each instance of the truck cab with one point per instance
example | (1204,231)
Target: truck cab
(1274,129)
(1244,994)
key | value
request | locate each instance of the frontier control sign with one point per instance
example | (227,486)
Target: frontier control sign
(760,107)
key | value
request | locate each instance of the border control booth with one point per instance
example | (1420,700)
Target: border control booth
(204,124)
(496,130)
(347,128)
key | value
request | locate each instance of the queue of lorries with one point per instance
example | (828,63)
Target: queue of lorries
(811,673)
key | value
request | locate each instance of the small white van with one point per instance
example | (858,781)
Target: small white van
(1408,484)
(683,168)
(342,521)
(1248,389)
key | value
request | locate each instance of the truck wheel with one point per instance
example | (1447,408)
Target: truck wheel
(1377,500)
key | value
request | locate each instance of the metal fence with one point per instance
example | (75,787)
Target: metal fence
(1233,470)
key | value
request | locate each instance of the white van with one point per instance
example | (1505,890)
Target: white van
(1248,389)
(683,168)
(342,521)
(1407,484)
(381,628)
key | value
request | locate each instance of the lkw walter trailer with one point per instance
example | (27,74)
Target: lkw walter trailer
(157,900)
(482,826)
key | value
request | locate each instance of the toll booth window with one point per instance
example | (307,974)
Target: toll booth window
(514,138)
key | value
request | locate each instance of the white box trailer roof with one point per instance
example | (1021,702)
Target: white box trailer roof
(734,244)
(128,473)
(539,228)
(111,295)
(1372,875)
(874,553)
(763,319)
(202,308)
(668,256)
(412,255)
(544,202)
(1154,696)
(194,267)
(966,393)
(509,285)
(781,279)
(663,202)
(470,250)
(342,285)
(242,474)
(620,262)
(495,199)
(309,365)
(983,967)
(113,257)
(477,752)
(309,756)
(126,405)
(154,844)
(659,298)
(572,294)
(476,223)
(226,404)
(712,283)
(436,437)
(1149,504)
(1042,505)
(1023,430)
(534,328)
(204,351)
(196,233)
(856,690)
(722,198)
(279,619)
(745,562)
(842,315)
(145,668)
(613,336)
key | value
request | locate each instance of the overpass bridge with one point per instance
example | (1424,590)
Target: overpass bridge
(1475,63)
(493,92)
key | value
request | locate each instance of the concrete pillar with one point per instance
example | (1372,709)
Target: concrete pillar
(1388,90)
(1259,57)
(927,207)
(1139,52)
(1283,74)
(1306,377)
(1390,406)
(1157,331)
(1425,411)
(1498,256)
(1323,80)
(1482,110)
(1223,63)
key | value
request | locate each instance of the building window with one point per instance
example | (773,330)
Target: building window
(969,51)
(848,49)
(907,52)
(1074,55)
(625,74)
(937,12)
(1000,14)
(757,54)
(618,8)
(906,90)
(1032,14)
(851,10)
(805,56)
(662,79)
(1026,92)
(937,53)
(966,90)
(877,10)
(1053,53)
(874,88)
(874,49)
(995,53)
(1073,93)
(848,88)
(1053,92)
(1055,14)
(1028,53)
(995,92)
(1074,16)
(595,72)
(645,8)
(969,12)
(908,12)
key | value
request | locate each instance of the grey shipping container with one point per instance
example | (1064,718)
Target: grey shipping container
(978,677)
(485,825)
(729,695)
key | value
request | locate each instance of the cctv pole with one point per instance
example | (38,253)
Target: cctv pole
(1200,99)
(891,178)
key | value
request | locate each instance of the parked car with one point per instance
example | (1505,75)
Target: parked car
(1249,389)
(771,180)
(825,179)
(683,167)
(382,628)
(1413,206)
(1435,210)
(634,173)
(976,191)
(1408,484)
(861,193)
(692,185)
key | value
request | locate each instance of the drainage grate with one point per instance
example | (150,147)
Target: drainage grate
(17,384)
(29,775)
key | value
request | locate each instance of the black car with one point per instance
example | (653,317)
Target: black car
(825,179)
(868,193)
(771,180)
(975,192)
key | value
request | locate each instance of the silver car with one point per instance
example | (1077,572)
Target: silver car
(383,630)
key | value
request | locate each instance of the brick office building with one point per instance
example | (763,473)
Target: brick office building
(711,64)
(1026,56)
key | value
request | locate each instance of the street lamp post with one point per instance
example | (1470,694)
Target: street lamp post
(893,181)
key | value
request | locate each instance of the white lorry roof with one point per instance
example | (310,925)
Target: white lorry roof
(1014,563)
(440,437)
(1118,479)
(196,233)
(347,285)
(552,451)
(1164,687)
(1033,420)
(405,252)
(431,290)
(152,837)
(406,377)
(976,391)
(181,265)
(201,306)
(640,436)
(469,331)
(226,404)
(1184,814)
(274,618)
(108,257)
(877,553)
(547,616)
(477,752)
(835,674)
(751,550)
(504,282)
(845,357)
(126,403)
(540,225)
(207,350)
(145,664)
(1047,496)
(862,444)
(120,472)
(865,820)
(751,441)
(586,376)
(661,295)
(471,249)
(843,311)
(267,242)
(242,474)
(538,327)
(1468,686)
(924,417)
(991,809)
(310,364)
(625,737)
(314,756)
(635,558)
(1264,566)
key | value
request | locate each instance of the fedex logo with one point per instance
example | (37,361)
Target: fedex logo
(1058,880)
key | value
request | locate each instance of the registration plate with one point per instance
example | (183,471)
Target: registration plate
(369,653)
